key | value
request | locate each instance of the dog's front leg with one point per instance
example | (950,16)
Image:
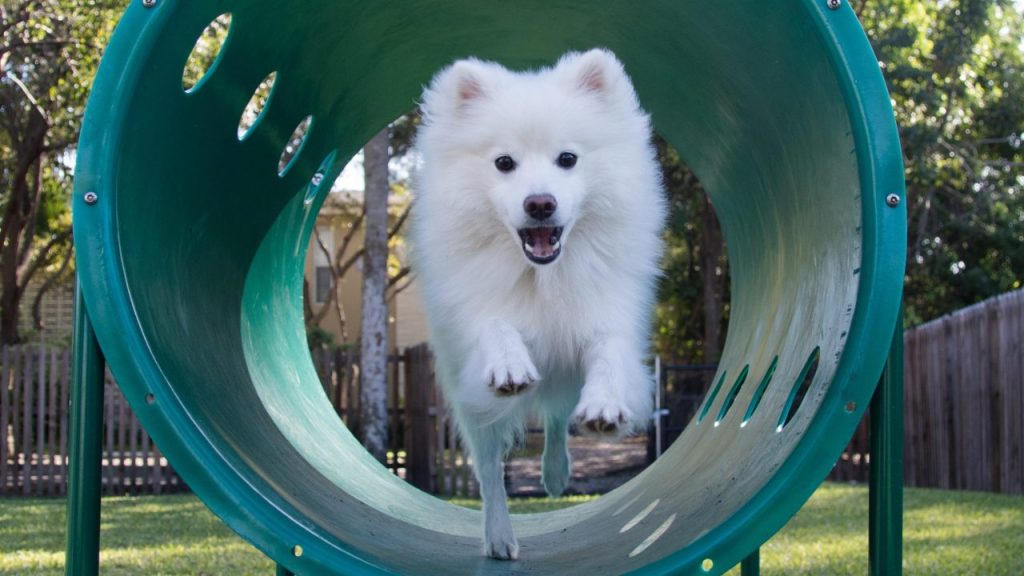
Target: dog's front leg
(617,391)
(488,445)
(508,369)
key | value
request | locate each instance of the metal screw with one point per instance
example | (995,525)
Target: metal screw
(317,179)
(834,4)
(91,197)
(851,406)
(893,200)
(297,551)
(149,3)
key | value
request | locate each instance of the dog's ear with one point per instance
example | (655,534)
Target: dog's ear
(597,72)
(457,87)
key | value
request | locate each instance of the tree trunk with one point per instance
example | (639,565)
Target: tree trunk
(374,330)
(711,279)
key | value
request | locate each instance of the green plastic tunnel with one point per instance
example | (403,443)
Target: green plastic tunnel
(191,262)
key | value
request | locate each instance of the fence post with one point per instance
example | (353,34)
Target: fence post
(885,495)
(82,556)
(418,426)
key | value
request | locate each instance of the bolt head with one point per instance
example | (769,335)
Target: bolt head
(834,4)
(893,200)
(149,3)
(91,197)
(318,178)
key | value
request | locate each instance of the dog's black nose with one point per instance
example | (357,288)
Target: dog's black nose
(540,206)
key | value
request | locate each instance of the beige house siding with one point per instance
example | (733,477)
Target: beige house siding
(411,327)
(407,324)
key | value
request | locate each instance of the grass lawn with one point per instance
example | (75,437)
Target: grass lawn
(954,533)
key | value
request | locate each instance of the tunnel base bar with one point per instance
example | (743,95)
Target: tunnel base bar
(885,493)
(751,565)
(82,555)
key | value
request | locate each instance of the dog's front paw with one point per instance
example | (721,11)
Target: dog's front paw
(601,417)
(500,542)
(512,374)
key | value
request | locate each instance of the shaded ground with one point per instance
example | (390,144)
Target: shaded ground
(597,467)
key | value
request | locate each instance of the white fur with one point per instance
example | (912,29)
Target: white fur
(563,341)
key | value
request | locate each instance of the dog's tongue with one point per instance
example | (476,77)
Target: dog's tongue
(541,242)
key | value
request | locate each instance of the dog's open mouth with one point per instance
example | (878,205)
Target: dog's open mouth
(542,244)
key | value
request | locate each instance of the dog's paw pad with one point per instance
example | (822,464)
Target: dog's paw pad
(511,388)
(606,419)
(511,377)
(602,426)
(502,548)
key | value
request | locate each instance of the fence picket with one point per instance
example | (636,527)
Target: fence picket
(65,404)
(6,401)
(52,424)
(26,421)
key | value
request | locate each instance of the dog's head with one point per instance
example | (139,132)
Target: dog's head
(538,149)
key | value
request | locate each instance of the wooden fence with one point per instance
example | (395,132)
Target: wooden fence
(964,417)
(34,395)
(964,395)
(423,447)
(35,390)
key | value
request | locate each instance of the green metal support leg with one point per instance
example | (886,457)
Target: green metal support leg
(84,466)
(751,565)
(885,530)
(282,571)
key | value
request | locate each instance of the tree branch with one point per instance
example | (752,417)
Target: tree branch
(51,281)
(401,220)
(347,240)
(20,44)
(28,94)
(29,269)
(394,293)
(398,277)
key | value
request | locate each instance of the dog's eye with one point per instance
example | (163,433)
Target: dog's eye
(505,163)
(566,160)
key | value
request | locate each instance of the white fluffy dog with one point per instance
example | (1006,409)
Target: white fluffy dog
(536,237)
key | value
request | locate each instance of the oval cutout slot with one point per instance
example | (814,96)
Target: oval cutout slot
(759,393)
(256,108)
(800,387)
(206,53)
(294,146)
(711,398)
(727,403)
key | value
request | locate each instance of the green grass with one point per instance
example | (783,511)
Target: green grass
(954,533)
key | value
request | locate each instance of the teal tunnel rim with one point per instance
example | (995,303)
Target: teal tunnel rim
(249,504)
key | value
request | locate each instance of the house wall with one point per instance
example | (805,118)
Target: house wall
(407,326)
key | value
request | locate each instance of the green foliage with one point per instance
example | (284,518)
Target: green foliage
(49,52)
(679,316)
(955,71)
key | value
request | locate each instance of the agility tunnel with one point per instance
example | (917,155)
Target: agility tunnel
(191,241)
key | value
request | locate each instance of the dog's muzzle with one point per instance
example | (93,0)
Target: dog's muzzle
(541,244)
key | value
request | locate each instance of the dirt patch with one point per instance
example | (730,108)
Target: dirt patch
(597,466)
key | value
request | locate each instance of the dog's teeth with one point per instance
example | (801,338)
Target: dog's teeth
(553,240)
(555,246)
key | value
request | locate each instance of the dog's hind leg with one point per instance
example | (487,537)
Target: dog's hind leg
(556,470)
